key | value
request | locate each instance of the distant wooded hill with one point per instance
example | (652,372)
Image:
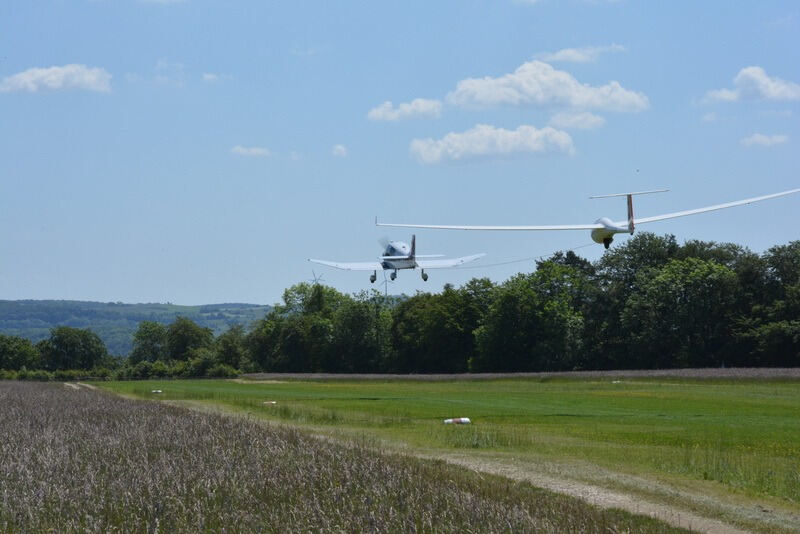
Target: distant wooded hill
(115,322)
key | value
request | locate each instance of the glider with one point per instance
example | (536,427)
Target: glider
(603,229)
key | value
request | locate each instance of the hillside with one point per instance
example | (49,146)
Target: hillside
(115,322)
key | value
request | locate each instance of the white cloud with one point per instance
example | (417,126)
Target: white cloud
(419,107)
(759,139)
(169,73)
(723,95)
(584,54)
(787,21)
(709,117)
(577,121)
(780,113)
(304,52)
(536,82)
(250,151)
(213,77)
(754,82)
(72,76)
(339,151)
(485,140)
(532,2)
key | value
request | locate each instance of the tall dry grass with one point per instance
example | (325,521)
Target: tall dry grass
(75,460)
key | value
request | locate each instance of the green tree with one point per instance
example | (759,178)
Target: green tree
(570,259)
(263,342)
(726,254)
(772,328)
(298,335)
(784,263)
(296,343)
(774,343)
(618,272)
(199,361)
(435,333)
(620,266)
(184,335)
(72,348)
(17,352)
(306,298)
(303,344)
(230,347)
(682,316)
(413,334)
(534,323)
(360,335)
(750,268)
(149,343)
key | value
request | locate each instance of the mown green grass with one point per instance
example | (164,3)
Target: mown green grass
(744,434)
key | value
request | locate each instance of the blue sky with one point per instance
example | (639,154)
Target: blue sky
(199,151)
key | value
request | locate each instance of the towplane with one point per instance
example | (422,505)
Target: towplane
(604,229)
(397,256)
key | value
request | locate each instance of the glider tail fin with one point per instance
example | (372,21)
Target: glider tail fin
(630,214)
(413,246)
(630,202)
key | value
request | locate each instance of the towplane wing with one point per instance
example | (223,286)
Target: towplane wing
(399,256)
(445,264)
(351,266)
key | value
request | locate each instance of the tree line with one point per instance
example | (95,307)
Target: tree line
(180,349)
(645,304)
(115,322)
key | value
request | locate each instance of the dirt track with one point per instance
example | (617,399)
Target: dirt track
(604,497)
(713,373)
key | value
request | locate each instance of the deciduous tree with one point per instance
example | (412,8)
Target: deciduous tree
(184,335)
(72,348)
(149,343)
(17,352)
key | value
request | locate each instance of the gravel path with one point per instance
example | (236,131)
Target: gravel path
(598,495)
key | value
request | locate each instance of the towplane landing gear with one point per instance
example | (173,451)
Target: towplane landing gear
(398,256)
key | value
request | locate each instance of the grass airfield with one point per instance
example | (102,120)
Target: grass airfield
(722,449)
